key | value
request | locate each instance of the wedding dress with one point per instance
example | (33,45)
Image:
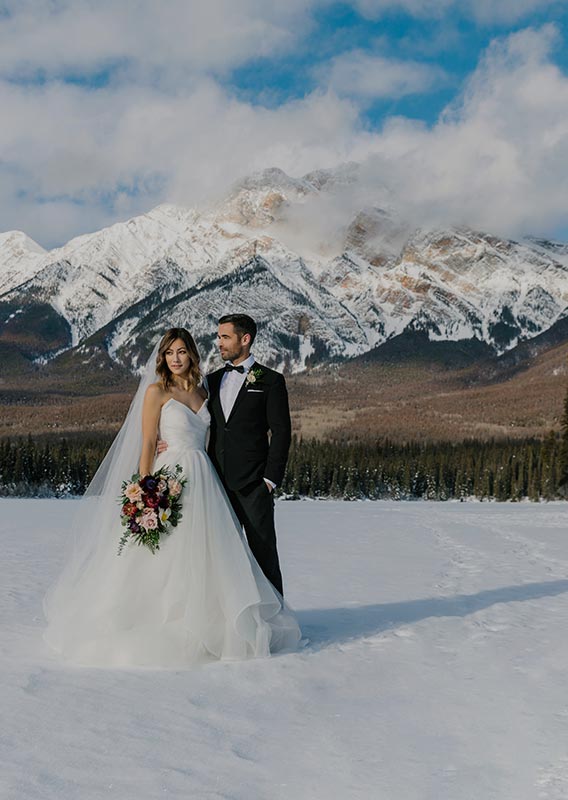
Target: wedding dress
(201,597)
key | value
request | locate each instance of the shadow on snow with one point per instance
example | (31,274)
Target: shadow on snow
(327,626)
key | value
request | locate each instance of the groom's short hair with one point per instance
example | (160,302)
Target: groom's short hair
(242,324)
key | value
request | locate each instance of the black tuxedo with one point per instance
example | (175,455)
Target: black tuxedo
(244,454)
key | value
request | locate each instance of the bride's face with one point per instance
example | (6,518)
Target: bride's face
(177,358)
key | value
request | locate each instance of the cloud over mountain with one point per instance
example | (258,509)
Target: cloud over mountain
(110,109)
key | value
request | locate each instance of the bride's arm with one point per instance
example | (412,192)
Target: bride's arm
(150,419)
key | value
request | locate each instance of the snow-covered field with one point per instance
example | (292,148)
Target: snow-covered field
(437,669)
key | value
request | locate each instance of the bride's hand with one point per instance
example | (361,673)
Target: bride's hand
(161,446)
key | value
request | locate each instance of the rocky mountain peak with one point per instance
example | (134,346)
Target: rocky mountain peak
(18,242)
(257,200)
(121,285)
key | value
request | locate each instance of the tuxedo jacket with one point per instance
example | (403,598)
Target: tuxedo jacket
(240,447)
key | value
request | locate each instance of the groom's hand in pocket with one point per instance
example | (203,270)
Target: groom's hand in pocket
(161,446)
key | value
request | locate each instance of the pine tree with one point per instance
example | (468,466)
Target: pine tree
(548,464)
(563,457)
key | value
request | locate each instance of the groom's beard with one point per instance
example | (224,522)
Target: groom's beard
(232,355)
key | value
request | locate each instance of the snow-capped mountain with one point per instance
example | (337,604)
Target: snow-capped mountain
(93,278)
(456,284)
(558,250)
(374,278)
(20,259)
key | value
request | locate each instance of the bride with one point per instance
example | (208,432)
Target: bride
(202,596)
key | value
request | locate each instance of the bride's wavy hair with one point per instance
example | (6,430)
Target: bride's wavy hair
(166,342)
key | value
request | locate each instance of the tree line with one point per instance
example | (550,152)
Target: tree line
(49,468)
(499,470)
(494,470)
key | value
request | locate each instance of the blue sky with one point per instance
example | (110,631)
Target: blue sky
(453,42)
(459,110)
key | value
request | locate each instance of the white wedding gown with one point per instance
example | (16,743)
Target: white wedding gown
(201,597)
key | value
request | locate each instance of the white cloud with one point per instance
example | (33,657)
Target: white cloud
(363,75)
(417,8)
(127,149)
(484,11)
(74,157)
(497,159)
(151,41)
(506,11)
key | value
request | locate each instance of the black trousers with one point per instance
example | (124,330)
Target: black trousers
(254,506)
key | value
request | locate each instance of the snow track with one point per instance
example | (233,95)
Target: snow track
(436,669)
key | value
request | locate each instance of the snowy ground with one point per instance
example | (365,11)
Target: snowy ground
(436,670)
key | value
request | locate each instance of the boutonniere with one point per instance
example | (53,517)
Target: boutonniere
(254,375)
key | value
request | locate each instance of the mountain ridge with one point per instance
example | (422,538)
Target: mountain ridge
(375,278)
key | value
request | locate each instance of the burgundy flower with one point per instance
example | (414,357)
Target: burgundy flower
(129,509)
(150,505)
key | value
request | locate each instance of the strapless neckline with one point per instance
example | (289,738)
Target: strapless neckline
(191,411)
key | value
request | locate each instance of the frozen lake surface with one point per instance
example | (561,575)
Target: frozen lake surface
(436,669)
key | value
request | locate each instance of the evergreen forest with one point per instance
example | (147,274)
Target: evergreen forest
(505,469)
(495,470)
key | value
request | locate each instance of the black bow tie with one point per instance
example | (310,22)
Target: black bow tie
(231,367)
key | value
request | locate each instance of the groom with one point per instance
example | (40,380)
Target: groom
(250,436)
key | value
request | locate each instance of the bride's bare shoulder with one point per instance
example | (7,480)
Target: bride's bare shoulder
(156,393)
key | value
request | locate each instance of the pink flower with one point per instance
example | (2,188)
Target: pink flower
(149,520)
(133,492)
(161,486)
(175,487)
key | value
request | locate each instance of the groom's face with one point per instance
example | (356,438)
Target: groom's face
(231,345)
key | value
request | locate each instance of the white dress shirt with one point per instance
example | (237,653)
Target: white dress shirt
(231,385)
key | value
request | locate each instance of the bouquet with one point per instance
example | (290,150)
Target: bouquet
(150,506)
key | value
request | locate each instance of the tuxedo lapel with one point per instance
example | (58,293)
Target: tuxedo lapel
(215,392)
(242,392)
(238,398)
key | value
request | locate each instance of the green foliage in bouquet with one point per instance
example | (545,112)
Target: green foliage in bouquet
(150,507)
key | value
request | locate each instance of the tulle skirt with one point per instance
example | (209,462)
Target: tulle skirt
(201,597)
